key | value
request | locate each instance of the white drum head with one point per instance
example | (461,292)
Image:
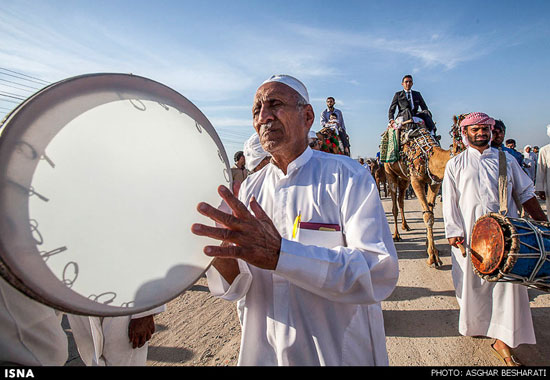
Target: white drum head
(100,177)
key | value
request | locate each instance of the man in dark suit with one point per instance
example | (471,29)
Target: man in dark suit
(408,102)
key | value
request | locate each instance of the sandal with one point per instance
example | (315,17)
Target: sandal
(503,354)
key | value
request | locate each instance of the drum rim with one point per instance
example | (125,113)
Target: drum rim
(477,263)
(9,123)
(8,275)
(511,247)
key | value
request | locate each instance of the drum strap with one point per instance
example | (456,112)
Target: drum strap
(502,185)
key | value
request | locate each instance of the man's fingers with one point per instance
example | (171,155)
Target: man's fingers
(456,241)
(139,341)
(223,234)
(134,339)
(231,251)
(239,209)
(216,215)
(258,210)
(143,340)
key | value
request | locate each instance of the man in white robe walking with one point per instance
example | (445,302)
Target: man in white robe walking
(543,172)
(307,251)
(470,190)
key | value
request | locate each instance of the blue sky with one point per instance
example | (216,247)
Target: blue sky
(465,56)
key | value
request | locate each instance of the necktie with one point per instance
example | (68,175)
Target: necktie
(409,97)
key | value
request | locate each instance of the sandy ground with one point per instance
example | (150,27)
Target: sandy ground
(421,317)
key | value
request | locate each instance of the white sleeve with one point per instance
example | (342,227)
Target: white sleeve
(542,167)
(454,224)
(365,271)
(521,182)
(324,119)
(156,310)
(219,287)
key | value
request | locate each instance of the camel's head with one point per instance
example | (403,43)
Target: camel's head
(458,145)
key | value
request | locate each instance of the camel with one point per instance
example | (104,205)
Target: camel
(422,164)
(330,141)
(379,174)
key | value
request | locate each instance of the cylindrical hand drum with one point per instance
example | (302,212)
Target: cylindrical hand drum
(512,250)
(100,176)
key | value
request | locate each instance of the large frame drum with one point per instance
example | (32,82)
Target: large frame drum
(100,176)
(513,250)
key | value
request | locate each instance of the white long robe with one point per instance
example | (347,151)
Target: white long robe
(470,190)
(321,305)
(105,341)
(30,333)
(543,174)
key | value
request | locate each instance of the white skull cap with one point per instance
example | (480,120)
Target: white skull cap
(291,82)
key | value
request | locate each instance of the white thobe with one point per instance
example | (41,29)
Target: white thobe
(321,305)
(105,342)
(530,167)
(543,175)
(470,190)
(30,333)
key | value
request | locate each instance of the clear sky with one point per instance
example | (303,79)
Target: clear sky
(465,56)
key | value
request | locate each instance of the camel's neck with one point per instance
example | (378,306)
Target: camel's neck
(438,160)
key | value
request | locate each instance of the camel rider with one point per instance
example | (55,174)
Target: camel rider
(407,102)
(325,119)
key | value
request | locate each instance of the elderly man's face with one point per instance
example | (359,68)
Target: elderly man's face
(282,125)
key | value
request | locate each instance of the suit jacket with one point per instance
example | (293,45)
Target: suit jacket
(400,101)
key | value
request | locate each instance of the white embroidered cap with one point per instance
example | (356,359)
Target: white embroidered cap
(291,82)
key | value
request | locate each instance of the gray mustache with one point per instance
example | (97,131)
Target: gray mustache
(266,126)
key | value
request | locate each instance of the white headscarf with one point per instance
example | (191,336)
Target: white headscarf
(253,152)
(291,82)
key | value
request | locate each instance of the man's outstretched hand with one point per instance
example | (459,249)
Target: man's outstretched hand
(254,237)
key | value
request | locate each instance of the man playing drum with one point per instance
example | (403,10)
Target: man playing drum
(307,252)
(470,190)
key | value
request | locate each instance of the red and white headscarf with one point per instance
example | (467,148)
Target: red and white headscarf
(475,118)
